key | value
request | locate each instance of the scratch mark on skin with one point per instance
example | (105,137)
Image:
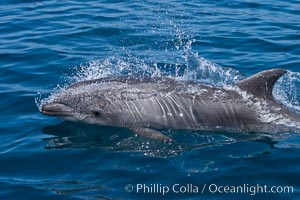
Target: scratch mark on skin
(137,110)
(233,114)
(131,113)
(227,114)
(161,107)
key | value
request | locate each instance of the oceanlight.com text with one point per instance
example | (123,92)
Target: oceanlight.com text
(163,189)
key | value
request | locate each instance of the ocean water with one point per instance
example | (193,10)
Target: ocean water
(46,45)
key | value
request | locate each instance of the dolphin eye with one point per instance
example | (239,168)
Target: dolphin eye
(96,113)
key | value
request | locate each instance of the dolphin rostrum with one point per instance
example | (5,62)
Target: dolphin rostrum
(146,104)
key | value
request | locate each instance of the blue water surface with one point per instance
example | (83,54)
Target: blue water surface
(45,45)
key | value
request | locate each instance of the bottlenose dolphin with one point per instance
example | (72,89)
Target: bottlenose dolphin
(147,104)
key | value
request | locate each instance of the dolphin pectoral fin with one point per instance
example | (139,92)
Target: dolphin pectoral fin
(151,133)
(261,84)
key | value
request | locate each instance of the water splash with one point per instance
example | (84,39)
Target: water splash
(196,69)
(45,97)
(201,70)
(287,90)
(112,66)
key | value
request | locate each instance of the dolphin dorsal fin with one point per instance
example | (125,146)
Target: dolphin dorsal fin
(261,84)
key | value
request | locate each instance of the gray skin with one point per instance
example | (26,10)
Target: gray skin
(143,104)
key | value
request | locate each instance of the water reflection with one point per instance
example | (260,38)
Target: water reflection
(77,135)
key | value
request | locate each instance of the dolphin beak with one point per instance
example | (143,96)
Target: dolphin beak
(57,110)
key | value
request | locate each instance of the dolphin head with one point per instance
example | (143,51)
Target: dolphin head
(79,103)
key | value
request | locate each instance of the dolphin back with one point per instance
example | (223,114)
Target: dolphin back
(131,80)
